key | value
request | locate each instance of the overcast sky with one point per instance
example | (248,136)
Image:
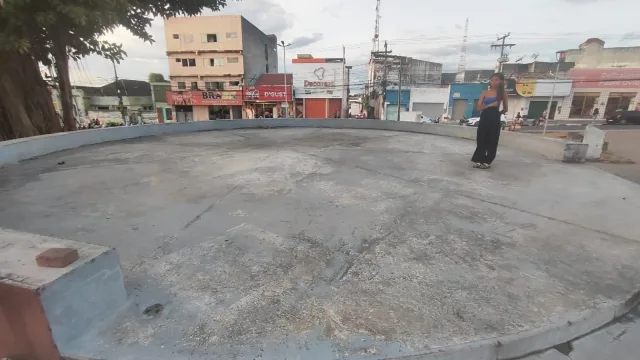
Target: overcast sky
(425,29)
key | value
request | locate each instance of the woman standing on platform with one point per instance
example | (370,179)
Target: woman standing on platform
(489,126)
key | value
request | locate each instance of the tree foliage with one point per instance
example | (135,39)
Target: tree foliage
(54,31)
(155,77)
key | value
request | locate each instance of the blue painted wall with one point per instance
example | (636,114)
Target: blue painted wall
(469,92)
(392,97)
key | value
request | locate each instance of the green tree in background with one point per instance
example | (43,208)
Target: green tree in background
(52,32)
(156,78)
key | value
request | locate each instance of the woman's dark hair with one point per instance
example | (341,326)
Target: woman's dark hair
(500,89)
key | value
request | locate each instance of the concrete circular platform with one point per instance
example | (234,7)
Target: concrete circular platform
(325,244)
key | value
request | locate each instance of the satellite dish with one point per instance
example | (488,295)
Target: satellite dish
(521,58)
(535,56)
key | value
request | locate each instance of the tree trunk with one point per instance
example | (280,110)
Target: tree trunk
(61,60)
(26,108)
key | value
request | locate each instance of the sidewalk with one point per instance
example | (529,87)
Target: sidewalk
(576,122)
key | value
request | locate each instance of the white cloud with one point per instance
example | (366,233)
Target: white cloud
(413,27)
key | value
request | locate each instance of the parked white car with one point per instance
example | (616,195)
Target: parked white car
(473,121)
(425,120)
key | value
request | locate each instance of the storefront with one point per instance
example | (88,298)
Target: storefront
(206,105)
(463,99)
(607,90)
(318,87)
(266,101)
(530,97)
(391,103)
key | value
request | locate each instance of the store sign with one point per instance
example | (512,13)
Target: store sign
(318,79)
(264,93)
(205,98)
(308,83)
(605,78)
(521,87)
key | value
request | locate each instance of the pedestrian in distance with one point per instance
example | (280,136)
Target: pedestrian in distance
(489,125)
(596,112)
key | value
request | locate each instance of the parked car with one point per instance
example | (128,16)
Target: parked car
(624,117)
(474,121)
(425,120)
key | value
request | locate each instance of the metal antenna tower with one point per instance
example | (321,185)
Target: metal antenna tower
(463,55)
(376,36)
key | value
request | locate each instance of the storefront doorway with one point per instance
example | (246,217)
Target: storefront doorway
(184,113)
(583,104)
(537,108)
(219,112)
(618,101)
(459,109)
(266,110)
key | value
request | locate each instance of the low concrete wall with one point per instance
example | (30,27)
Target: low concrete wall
(14,151)
(48,308)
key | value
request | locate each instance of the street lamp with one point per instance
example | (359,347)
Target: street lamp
(560,56)
(284,61)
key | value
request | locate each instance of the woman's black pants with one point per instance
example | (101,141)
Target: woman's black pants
(488,135)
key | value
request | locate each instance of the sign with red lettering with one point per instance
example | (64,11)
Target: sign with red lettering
(272,93)
(605,78)
(205,97)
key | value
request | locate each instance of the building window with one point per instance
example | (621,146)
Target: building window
(214,85)
(583,104)
(194,85)
(618,101)
(210,38)
(232,35)
(182,85)
(178,60)
(216,62)
(188,62)
(187,38)
(234,83)
(232,60)
(176,36)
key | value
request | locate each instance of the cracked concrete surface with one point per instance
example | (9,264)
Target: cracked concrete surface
(319,243)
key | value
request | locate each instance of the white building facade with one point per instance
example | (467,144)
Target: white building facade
(607,90)
(431,102)
(319,86)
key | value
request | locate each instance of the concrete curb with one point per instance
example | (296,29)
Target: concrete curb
(516,346)
(14,151)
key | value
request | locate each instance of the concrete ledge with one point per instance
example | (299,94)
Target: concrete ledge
(70,300)
(14,151)
(518,345)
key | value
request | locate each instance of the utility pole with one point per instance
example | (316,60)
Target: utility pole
(120,100)
(343,113)
(376,55)
(266,57)
(399,86)
(284,61)
(560,56)
(503,58)
(384,77)
(348,86)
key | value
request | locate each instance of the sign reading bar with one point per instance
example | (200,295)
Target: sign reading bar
(205,98)
(271,93)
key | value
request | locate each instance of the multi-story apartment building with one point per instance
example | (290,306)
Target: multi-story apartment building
(210,59)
